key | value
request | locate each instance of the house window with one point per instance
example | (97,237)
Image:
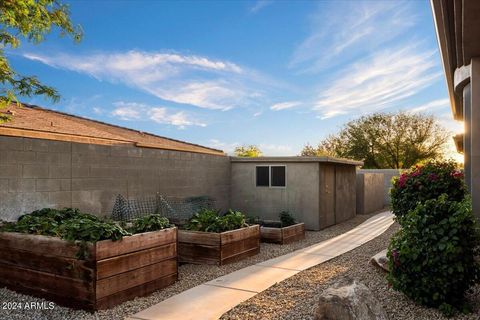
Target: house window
(263,176)
(271,176)
(278,176)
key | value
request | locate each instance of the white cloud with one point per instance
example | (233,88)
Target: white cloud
(284,105)
(127,111)
(179,119)
(336,37)
(431,106)
(184,79)
(379,82)
(259,5)
(163,115)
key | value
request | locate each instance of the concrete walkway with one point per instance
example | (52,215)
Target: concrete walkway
(212,299)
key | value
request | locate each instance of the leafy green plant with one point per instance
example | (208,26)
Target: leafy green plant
(425,182)
(432,258)
(209,220)
(69,224)
(286,219)
(149,223)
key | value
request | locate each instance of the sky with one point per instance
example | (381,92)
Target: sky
(277,74)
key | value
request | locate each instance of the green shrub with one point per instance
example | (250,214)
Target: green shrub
(286,219)
(209,220)
(426,182)
(149,223)
(431,259)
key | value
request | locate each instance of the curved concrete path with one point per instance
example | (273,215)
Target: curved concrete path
(212,299)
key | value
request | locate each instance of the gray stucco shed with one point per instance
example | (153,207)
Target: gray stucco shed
(319,191)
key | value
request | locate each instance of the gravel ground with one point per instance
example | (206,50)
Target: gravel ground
(189,276)
(296,297)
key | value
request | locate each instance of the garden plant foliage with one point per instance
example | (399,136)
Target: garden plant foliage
(432,257)
(73,225)
(209,220)
(426,182)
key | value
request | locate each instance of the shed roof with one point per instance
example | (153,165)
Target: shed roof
(36,122)
(297,159)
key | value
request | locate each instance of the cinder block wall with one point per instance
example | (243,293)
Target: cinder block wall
(388,174)
(370,192)
(36,173)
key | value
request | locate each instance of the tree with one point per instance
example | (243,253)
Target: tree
(309,151)
(388,140)
(251,151)
(31,20)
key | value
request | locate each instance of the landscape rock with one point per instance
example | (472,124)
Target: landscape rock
(349,299)
(380,260)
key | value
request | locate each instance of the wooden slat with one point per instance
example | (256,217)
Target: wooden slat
(46,282)
(59,299)
(198,254)
(238,247)
(133,278)
(57,265)
(241,256)
(293,230)
(273,235)
(138,291)
(42,244)
(235,235)
(108,248)
(116,265)
(198,237)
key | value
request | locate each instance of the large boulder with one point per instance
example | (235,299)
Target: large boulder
(349,300)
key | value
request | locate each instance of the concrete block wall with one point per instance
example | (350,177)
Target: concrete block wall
(370,192)
(388,174)
(37,173)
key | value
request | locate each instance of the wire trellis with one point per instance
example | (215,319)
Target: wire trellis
(175,209)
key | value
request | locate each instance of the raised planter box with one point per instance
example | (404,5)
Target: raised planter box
(112,271)
(283,235)
(218,248)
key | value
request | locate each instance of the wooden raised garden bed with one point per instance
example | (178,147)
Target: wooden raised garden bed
(218,248)
(112,271)
(283,235)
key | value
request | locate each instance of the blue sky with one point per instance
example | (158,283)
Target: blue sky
(278,74)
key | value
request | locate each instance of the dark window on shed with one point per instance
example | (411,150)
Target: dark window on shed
(278,176)
(263,176)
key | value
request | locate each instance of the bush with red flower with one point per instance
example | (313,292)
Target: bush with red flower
(425,182)
(432,258)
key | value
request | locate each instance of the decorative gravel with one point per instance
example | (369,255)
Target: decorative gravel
(296,297)
(189,276)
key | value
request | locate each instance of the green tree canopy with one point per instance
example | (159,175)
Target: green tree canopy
(251,151)
(386,140)
(31,20)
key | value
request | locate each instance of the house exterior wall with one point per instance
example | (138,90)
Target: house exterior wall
(370,192)
(299,197)
(37,173)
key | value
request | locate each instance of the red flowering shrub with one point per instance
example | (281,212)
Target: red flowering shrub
(432,258)
(422,183)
